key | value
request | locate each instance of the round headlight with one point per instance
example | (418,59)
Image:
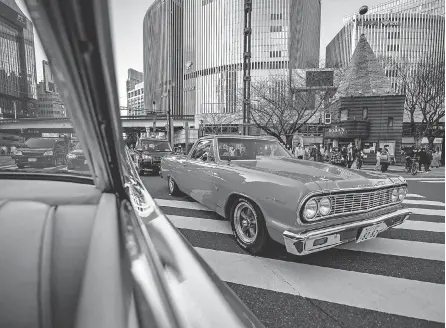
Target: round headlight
(310,209)
(402,193)
(324,206)
(394,195)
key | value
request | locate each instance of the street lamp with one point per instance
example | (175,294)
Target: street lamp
(362,11)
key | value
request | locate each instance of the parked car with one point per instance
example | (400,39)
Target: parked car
(41,152)
(76,159)
(150,151)
(269,195)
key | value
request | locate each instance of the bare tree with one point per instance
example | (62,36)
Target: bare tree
(282,103)
(424,86)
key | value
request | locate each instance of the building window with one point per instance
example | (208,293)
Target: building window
(275,54)
(365,113)
(327,118)
(390,122)
(276,16)
(275,29)
(344,114)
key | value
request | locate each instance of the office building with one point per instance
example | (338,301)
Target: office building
(195,55)
(135,100)
(133,78)
(18,82)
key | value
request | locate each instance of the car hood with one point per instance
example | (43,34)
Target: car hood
(77,152)
(157,154)
(325,175)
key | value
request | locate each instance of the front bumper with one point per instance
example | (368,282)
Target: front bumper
(38,160)
(150,166)
(303,243)
(78,164)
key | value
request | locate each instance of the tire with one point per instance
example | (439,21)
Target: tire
(259,238)
(173,187)
(20,166)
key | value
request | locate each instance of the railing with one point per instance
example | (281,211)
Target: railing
(67,119)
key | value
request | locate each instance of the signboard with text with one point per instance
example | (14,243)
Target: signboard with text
(12,16)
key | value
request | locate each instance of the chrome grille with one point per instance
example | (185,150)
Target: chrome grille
(358,202)
(156,159)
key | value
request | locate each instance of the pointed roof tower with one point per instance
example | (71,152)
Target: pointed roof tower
(364,75)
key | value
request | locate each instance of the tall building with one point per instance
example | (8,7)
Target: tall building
(195,49)
(18,81)
(406,31)
(49,104)
(163,56)
(133,78)
(135,100)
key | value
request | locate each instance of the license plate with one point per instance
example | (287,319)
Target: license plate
(371,232)
(85,162)
(32,159)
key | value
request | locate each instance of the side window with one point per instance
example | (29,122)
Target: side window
(200,149)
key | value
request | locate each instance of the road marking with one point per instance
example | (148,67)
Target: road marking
(181,204)
(8,166)
(398,296)
(396,247)
(414,196)
(425,179)
(423,202)
(422,226)
(425,211)
(432,181)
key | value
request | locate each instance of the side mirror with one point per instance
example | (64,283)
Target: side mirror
(204,158)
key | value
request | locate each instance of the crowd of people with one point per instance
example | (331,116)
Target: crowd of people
(426,157)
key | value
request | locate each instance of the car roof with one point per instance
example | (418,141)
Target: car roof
(152,139)
(237,136)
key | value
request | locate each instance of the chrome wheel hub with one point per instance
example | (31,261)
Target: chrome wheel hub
(245,222)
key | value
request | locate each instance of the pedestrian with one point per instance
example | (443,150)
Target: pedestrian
(299,152)
(385,158)
(378,159)
(435,159)
(423,159)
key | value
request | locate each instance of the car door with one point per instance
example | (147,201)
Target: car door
(197,174)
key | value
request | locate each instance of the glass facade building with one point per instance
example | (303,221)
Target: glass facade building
(207,45)
(406,31)
(18,80)
(163,57)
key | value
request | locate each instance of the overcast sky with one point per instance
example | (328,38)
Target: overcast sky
(127,19)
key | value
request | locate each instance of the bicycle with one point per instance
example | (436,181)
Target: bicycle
(411,165)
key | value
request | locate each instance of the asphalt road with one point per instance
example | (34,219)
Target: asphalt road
(396,280)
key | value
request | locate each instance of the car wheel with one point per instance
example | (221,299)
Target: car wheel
(248,226)
(20,166)
(173,187)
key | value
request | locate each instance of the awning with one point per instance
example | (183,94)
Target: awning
(438,140)
(408,140)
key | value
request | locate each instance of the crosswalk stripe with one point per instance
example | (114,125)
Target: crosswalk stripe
(425,211)
(422,226)
(423,202)
(424,179)
(398,296)
(432,181)
(414,196)
(181,204)
(396,247)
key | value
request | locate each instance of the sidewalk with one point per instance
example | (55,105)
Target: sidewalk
(6,161)
(434,172)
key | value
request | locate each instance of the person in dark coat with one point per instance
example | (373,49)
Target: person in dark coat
(423,158)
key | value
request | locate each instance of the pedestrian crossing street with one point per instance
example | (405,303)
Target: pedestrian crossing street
(397,279)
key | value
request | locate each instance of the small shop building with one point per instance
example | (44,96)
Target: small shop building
(366,111)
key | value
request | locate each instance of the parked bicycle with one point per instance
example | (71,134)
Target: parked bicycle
(411,165)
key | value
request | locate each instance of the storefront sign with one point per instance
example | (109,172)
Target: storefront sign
(11,15)
(336,129)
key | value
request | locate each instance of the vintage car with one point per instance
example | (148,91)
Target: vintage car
(91,249)
(269,195)
(150,151)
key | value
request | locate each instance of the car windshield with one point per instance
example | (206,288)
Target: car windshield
(39,143)
(154,146)
(249,149)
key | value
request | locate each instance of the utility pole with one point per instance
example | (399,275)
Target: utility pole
(154,120)
(247,66)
